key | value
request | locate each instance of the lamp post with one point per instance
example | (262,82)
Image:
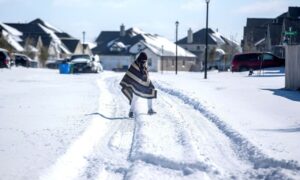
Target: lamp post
(176,60)
(83,39)
(206,39)
(162,55)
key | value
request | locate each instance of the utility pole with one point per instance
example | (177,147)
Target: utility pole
(206,39)
(176,58)
(83,40)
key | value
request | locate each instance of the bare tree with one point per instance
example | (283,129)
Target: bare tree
(4,44)
(43,56)
(28,48)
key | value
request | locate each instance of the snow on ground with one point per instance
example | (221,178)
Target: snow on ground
(41,114)
(230,126)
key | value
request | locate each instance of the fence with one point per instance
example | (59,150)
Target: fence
(292,67)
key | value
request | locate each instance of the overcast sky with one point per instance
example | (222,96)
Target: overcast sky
(152,16)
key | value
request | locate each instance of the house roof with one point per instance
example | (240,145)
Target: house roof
(199,38)
(257,28)
(33,31)
(257,22)
(257,33)
(46,24)
(71,44)
(40,29)
(63,35)
(106,36)
(27,28)
(132,42)
(294,12)
(110,39)
(46,40)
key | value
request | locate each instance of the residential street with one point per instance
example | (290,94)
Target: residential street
(89,135)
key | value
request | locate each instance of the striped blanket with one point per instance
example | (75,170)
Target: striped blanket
(136,80)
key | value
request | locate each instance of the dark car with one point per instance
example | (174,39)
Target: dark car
(5,60)
(23,60)
(253,61)
(54,64)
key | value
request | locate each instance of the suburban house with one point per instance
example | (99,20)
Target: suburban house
(118,49)
(271,34)
(30,38)
(87,49)
(220,49)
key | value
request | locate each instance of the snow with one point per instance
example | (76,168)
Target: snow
(136,31)
(11,30)
(156,42)
(12,36)
(220,39)
(52,27)
(13,41)
(229,126)
(217,37)
(56,39)
(91,44)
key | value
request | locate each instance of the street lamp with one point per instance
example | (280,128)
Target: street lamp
(206,39)
(83,39)
(176,61)
(162,55)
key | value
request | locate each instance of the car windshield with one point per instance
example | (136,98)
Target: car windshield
(84,56)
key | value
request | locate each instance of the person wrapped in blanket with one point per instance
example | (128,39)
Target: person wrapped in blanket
(136,83)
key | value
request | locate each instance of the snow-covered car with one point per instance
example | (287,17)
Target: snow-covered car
(84,63)
(24,60)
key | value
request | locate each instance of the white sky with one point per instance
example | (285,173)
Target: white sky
(152,16)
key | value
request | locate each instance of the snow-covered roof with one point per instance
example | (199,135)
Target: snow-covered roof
(156,43)
(52,27)
(136,31)
(55,39)
(11,30)
(136,40)
(91,45)
(216,36)
(13,41)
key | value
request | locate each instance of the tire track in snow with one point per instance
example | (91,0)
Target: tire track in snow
(243,147)
(95,154)
(110,158)
(161,141)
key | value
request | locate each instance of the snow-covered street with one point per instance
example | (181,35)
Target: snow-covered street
(229,126)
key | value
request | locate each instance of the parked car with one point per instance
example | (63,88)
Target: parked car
(253,61)
(54,64)
(24,60)
(83,63)
(5,60)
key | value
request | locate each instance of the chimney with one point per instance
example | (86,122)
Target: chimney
(190,36)
(122,30)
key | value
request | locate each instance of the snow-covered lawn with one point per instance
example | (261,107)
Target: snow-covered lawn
(230,126)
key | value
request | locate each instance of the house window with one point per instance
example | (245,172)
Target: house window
(173,62)
(150,62)
(183,63)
